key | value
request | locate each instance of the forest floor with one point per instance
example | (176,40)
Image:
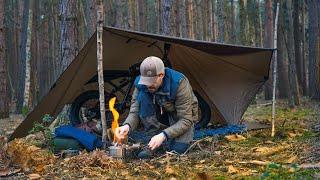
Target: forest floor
(293,153)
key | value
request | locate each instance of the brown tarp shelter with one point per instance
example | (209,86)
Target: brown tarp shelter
(227,76)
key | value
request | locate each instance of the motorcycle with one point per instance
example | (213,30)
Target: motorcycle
(86,106)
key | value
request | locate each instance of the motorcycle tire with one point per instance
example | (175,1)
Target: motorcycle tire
(204,108)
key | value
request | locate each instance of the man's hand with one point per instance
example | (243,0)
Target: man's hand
(122,131)
(156,141)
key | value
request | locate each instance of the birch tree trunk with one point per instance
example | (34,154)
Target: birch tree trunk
(26,101)
(4,94)
(23,44)
(100,21)
(275,67)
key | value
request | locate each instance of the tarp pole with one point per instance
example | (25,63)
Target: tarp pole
(100,19)
(274,71)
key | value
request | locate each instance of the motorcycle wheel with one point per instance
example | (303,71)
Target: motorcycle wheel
(89,100)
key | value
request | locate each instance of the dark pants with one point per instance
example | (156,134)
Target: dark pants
(168,145)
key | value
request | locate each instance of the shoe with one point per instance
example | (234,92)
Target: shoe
(146,153)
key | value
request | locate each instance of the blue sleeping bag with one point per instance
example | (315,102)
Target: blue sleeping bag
(230,129)
(89,141)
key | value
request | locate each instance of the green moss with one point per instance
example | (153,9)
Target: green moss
(277,171)
(282,113)
(249,142)
(308,135)
(25,111)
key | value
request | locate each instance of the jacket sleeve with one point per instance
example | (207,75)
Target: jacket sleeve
(133,117)
(184,106)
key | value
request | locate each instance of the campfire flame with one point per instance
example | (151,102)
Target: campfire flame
(114,123)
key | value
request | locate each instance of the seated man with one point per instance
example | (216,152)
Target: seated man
(164,104)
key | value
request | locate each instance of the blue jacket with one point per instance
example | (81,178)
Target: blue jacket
(169,88)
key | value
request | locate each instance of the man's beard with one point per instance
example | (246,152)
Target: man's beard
(152,89)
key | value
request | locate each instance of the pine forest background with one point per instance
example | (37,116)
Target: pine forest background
(39,38)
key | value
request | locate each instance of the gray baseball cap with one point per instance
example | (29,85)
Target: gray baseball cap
(150,68)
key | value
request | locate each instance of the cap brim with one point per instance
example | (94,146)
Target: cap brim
(148,81)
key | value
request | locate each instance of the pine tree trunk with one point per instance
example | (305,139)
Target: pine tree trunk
(36,51)
(173,19)
(260,27)
(13,80)
(68,34)
(89,8)
(283,82)
(165,17)
(142,15)
(297,42)
(314,85)
(294,90)
(159,16)
(204,12)
(256,23)
(242,19)
(190,19)
(26,101)
(221,21)
(119,16)
(44,71)
(232,22)
(183,18)
(138,9)
(131,15)
(251,16)
(4,94)
(268,43)
(214,21)
(199,18)
(304,49)
(125,11)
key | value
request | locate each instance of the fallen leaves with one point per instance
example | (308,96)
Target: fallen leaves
(34,176)
(7,172)
(292,159)
(232,170)
(28,157)
(169,170)
(235,137)
(267,151)
(4,172)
